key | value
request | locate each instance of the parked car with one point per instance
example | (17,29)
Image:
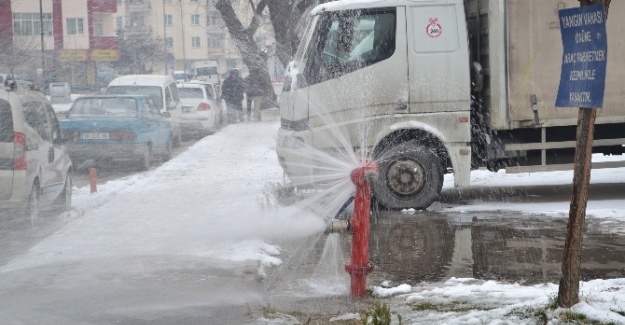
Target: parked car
(35,166)
(117,128)
(201,112)
(162,88)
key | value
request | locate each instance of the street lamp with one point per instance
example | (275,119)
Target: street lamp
(184,55)
(165,37)
(43,62)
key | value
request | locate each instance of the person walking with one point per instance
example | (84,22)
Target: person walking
(232,92)
(256,91)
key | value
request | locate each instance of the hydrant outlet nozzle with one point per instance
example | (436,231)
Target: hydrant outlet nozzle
(338,226)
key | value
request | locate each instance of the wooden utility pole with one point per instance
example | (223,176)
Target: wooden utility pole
(568,293)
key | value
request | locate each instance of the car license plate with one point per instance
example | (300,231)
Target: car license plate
(95,135)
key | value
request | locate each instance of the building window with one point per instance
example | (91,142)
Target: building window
(98,27)
(169,42)
(169,19)
(231,64)
(137,21)
(28,24)
(215,40)
(195,42)
(75,26)
(213,19)
(120,23)
(195,19)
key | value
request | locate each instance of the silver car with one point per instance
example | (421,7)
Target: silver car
(35,168)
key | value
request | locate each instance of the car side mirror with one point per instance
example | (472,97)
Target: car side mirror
(166,114)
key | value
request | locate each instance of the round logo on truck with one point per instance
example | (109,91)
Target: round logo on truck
(434,29)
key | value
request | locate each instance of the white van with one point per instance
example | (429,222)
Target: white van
(161,87)
(35,166)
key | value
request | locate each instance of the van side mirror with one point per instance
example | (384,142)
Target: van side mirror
(166,114)
(171,105)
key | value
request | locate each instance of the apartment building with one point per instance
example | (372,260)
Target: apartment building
(192,31)
(57,40)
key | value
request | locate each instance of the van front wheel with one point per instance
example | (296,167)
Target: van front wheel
(411,176)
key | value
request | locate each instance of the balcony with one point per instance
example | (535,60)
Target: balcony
(139,7)
(134,30)
(104,42)
(103,6)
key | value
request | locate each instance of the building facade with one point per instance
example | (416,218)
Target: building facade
(192,31)
(77,41)
(58,40)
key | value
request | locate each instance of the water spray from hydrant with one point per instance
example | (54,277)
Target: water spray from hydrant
(359,266)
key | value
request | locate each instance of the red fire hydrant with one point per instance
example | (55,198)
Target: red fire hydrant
(359,266)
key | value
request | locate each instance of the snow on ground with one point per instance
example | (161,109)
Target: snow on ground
(200,205)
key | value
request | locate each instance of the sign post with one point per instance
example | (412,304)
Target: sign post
(582,85)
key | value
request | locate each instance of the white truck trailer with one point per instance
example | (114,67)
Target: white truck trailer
(425,87)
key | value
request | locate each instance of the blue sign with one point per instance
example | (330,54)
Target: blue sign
(582,82)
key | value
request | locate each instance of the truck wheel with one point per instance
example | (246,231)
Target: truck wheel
(411,176)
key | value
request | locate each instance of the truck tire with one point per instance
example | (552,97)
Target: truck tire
(411,176)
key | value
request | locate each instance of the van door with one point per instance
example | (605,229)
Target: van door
(7,150)
(357,71)
(438,58)
(40,149)
(171,95)
(156,125)
(60,162)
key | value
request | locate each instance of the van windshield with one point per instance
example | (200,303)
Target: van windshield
(206,71)
(153,91)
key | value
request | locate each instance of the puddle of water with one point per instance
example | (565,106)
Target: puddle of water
(434,247)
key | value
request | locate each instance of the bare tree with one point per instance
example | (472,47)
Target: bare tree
(139,52)
(253,57)
(286,20)
(19,54)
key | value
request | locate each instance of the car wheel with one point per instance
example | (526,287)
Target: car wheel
(146,158)
(411,176)
(32,207)
(167,154)
(66,196)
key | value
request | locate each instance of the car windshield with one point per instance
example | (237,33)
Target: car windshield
(152,91)
(191,92)
(104,108)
